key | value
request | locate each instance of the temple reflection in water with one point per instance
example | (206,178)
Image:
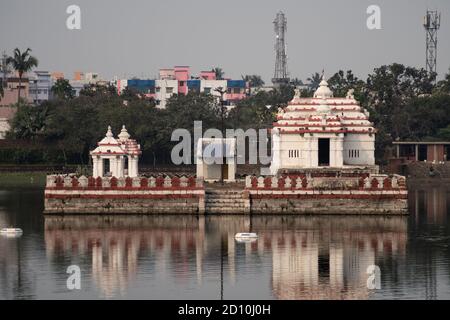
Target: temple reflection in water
(311,257)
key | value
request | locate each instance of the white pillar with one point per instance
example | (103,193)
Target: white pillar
(333,144)
(130,165)
(94,166)
(120,167)
(307,150)
(117,167)
(100,167)
(133,166)
(112,165)
(276,152)
(339,151)
(136,170)
(200,173)
(314,151)
(231,163)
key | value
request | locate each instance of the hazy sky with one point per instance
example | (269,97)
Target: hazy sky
(136,37)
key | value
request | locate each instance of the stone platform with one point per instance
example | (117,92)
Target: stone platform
(311,192)
(328,192)
(141,195)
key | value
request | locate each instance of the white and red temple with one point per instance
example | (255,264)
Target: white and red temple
(322,131)
(116,157)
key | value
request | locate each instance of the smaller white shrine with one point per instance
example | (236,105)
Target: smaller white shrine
(216,159)
(116,157)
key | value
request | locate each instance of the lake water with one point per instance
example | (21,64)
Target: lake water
(179,257)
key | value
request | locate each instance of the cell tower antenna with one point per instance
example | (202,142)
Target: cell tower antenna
(431,23)
(281,73)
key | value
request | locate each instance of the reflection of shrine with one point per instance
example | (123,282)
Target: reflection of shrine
(316,265)
(312,257)
(115,245)
(428,202)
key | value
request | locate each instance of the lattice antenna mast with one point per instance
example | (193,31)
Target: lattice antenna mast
(431,23)
(280,27)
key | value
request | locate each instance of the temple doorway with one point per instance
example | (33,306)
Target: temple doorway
(106,167)
(324,152)
(423,150)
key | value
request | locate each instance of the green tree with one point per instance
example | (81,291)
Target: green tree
(254,81)
(296,82)
(253,112)
(97,90)
(340,83)
(62,89)
(29,121)
(443,86)
(219,73)
(444,133)
(314,80)
(388,91)
(22,62)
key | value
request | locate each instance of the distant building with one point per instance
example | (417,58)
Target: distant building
(409,152)
(57,75)
(40,86)
(178,80)
(77,86)
(10,89)
(422,151)
(6,114)
(81,79)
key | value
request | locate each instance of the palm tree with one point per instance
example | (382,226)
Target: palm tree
(297,82)
(219,73)
(22,62)
(254,80)
(314,80)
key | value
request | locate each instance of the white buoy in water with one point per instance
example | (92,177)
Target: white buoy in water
(11,232)
(246,237)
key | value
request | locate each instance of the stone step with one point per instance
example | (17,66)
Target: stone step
(227,211)
(224,201)
(222,194)
(222,206)
(215,195)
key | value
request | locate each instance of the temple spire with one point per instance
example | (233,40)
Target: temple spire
(109,133)
(124,135)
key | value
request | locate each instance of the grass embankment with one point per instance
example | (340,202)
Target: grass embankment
(22,180)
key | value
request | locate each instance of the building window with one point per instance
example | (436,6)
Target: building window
(181,83)
(158,89)
(207,90)
(169,90)
(237,90)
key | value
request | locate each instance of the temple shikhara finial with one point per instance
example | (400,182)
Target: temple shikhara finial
(109,133)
